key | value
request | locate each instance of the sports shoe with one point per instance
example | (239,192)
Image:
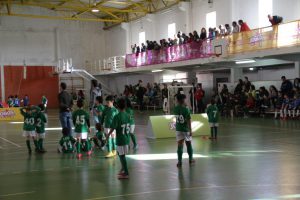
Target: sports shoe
(136,147)
(114,152)
(192,161)
(179,164)
(123,176)
(109,155)
(89,153)
(79,156)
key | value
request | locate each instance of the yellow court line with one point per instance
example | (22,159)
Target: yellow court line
(17,194)
(192,188)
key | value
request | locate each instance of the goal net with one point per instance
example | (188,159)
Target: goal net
(187,90)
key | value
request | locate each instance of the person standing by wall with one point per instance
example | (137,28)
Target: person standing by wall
(65,107)
(94,93)
(199,95)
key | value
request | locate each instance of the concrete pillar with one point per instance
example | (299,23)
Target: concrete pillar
(297,69)
(126,28)
(236,74)
(2,82)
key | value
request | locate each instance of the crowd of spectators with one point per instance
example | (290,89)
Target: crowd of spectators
(283,102)
(210,34)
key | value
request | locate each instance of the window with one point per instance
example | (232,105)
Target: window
(265,7)
(211,20)
(171,30)
(142,38)
(179,77)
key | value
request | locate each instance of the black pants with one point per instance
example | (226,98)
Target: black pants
(200,106)
(141,103)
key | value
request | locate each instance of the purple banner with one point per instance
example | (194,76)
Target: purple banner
(171,54)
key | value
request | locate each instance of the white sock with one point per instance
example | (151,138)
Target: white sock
(297,113)
(276,113)
(281,113)
(294,111)
(289,112)
(284,113)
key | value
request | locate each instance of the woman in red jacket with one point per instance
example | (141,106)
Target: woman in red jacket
(243,26)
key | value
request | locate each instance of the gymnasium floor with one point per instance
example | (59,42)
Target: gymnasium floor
(253,159)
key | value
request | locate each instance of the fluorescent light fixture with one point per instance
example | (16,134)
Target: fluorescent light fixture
(94,10)
(16,122)
(251,68)
(157,70)
(244,61)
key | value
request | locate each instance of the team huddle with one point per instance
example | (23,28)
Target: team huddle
(114,128)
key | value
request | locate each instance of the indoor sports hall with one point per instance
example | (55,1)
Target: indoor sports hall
(149,99)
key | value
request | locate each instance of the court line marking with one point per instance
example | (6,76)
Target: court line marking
(10,142)
(191,188)
(17,194)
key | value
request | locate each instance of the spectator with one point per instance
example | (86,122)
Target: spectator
(140,92)
(297,83)
(244,26)
(275,20)
(211,34)
(144,48)
(286,86)
(263,100)
(25,100)
(133,48)
(203,34)
(239,87)
(81,95)
(235,27)
(196,36)
(126,91)
(199,95)
(247,84)
(222,30)
(273,95)
(227,29)
(17,102)
(65,107)
(94,92)
(138,50)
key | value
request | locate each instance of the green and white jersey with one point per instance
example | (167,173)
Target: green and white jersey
(67,142)
(100,109)
(121,123)
(29,119)
(80,120)
(212,113)
(10,103)
(44,100)
(130,112)
(108,116)
(40,121)
(183,116)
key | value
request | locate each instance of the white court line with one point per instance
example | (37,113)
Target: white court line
(17,194)
(10,142)
(191,188)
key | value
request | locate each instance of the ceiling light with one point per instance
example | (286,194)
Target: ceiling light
(244,61)
(94,10)
(251,68)
(157,70)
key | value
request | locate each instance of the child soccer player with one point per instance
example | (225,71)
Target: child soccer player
(278,104)
(45,102)
(183,129)
(30,113)
(99,136)
(67,142)
(40,121)
(107,118)
(213,118)
(98,110)
(121,124)
(284,107)
(129,111)
(81,122)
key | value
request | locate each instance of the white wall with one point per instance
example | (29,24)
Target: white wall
(43,41)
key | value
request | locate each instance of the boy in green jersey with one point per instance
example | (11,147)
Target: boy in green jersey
(129,111)
(29,113)
(213,118)
(107,118)
(67,142)
(99,136)
(121,125)
(183,129)
(40,122)
(45,102)
(99,108)
(81,120)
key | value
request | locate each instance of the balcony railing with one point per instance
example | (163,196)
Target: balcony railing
(176,53)
(283,35)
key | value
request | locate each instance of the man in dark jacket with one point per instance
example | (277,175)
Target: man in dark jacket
(140,92)
(65,107)
(275,20)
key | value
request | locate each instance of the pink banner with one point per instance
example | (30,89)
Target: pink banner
(171,54)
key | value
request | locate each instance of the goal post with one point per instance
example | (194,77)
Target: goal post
(187,90)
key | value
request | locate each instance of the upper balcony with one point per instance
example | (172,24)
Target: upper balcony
(257,43)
